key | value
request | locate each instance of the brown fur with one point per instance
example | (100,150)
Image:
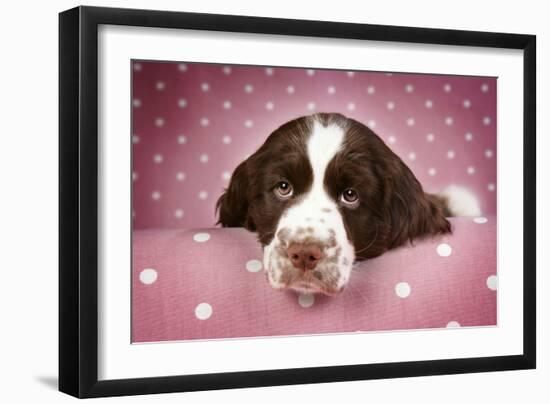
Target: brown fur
(393,207)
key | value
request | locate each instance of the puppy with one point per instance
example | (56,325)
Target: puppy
(323,191)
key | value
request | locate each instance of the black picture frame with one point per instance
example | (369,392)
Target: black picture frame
(78,200)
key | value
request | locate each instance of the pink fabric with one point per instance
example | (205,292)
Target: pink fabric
(193,123)
(176,280)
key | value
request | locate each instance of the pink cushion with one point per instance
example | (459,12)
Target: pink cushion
(208,283)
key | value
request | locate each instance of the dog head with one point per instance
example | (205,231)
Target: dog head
(321,192)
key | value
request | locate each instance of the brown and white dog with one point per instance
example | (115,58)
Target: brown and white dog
(323,191)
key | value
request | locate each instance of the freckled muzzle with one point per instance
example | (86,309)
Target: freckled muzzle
(308,258)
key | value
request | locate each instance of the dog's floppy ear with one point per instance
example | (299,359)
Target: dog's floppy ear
(410,211)
(232,206)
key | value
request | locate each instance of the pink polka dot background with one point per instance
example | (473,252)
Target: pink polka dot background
(192,124)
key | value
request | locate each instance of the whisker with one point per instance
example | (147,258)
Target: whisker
(267,235)
(370,244)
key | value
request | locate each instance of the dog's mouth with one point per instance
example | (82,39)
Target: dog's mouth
(311,288)
(310,282)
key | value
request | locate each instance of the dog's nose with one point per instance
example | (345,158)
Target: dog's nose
(304,256)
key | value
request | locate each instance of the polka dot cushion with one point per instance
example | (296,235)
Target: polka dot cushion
(210,283)
(194,123)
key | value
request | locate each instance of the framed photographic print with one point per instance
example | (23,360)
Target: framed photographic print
(251,201)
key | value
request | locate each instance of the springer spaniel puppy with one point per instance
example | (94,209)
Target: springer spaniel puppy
(323,191)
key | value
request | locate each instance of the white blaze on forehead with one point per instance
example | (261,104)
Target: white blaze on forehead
(323,144)
(318,213)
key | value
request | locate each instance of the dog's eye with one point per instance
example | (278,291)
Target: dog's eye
(350,197)
(283,189)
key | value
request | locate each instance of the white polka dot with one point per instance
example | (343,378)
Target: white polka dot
(488,153)
(155,195)
(226,139)
(158,158)
(451,154)
(331,89)
(180,176)
(203,311)
(201,237)
(371,123)
(403,290)
(226,176)
(182,67)
(306,300)
(492,282)
(249,88)
(135,139)
(390,105)
(269,106)
(148,276)
(136,102)
(429,103)
(227,104)
(432,171)
(203,158)
(137,67)
(178,213)
(135,176)
(226,70)
(311,106)
(350,74)
(412,156)
(253,266)
(205,122)
(485,87)
(453,324)
(468,136)
(471,170)
(371,90)
(203,195)
(467,103)
(351,106)
(159,122)
(182,103)
(491,187)
(449,120)
(392,139)
(430,137)
(248,123)
(486,120)
(269,71)
(444,250)
(409,88)
(160,85)
(389,74)
(205,87)
(310,72)
(410,122)
(182,139)
(290,89)
(480,220)
(447,88)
